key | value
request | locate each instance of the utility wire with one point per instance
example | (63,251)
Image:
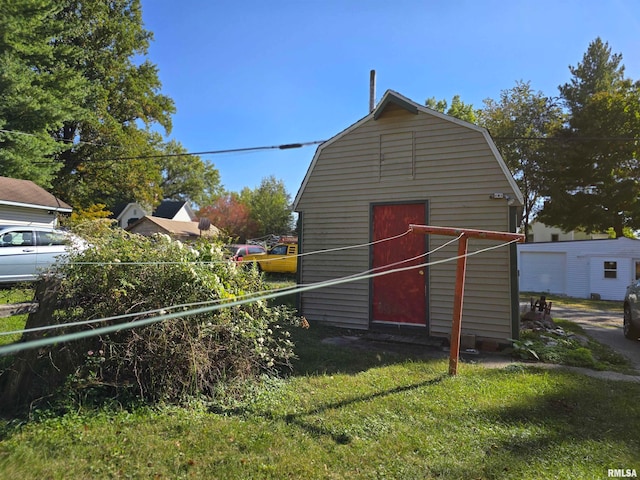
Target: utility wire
(218,262)
(61,140)
(286,146)
(218,300)
(17,347)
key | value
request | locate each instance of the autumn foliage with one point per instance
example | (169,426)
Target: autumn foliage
(231,216)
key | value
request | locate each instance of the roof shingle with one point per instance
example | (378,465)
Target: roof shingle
(13,190)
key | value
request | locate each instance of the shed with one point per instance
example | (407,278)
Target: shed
(22,202)
(404,163)
(149,225)
(580,268)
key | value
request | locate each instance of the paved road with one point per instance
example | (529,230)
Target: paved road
(604,326)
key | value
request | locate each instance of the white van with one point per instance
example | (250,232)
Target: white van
(28,251)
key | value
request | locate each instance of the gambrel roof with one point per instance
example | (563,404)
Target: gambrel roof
(393,98)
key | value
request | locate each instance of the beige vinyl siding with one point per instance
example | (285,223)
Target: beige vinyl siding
(17,215)
(454,170)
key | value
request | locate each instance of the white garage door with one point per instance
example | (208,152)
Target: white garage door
(543,272)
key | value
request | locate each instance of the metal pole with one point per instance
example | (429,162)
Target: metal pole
(458,300)
(461,270)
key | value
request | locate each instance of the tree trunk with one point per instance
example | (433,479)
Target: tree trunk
(34,373)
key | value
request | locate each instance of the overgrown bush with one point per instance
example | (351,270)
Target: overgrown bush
(565,348)
(170,360)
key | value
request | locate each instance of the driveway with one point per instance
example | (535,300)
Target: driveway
(603,326)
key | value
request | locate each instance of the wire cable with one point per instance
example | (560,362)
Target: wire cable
(214,301)
(17,347)
(219,262)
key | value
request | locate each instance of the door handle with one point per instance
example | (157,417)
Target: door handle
(421,272)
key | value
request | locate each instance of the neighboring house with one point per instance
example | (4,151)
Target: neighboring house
(128,214)
(175,210)
(22,202)
(149,225)
(580,268)
(543,233)
(404,163)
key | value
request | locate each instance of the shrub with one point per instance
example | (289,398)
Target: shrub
(174,359)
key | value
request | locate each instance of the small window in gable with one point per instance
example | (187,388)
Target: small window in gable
(555,237)
(610,269)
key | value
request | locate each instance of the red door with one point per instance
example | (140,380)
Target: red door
(399,298)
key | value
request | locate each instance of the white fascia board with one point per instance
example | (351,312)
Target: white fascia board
(37,207)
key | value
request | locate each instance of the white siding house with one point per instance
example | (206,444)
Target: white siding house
(539,232)
(129,214)
(405,163)
(22,202)
(580,268)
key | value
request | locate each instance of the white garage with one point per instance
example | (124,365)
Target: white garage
(542,271)
(579,268)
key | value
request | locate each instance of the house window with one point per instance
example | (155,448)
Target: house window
(610,269)
(555,237)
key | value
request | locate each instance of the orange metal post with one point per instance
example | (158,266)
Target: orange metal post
(461,269)
(458,300)
(469,232)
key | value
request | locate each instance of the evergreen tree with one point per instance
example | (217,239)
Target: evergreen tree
(38,90)
(591,176)
(120,108)
(80,106)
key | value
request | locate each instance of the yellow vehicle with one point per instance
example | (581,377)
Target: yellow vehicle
(282,258)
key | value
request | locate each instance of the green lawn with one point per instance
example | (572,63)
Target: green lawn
(16,294)
(609,305)
(351,414)
(346,413)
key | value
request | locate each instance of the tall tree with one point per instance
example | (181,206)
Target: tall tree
(269,206)
(592,174)
(188,177)
(521,123)
(458,109)
(80,106)
(123,103)
(39,91)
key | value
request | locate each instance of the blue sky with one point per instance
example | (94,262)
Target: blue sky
(257,73)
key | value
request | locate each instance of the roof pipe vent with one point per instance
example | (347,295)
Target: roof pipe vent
(372,90)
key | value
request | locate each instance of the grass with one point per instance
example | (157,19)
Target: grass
(17,294)
(403,421)
(567,351)
(351,414)
(569,302)
(346,413)
(277,281)
(594,355)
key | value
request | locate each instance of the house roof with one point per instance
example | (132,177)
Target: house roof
(392,97)
(119,210)
(25,193)
(174,227)
(170,208)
